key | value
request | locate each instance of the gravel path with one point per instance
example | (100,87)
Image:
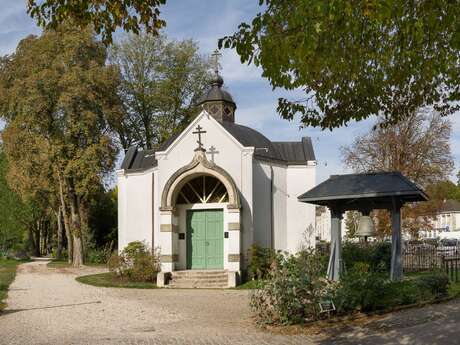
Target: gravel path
(47,306)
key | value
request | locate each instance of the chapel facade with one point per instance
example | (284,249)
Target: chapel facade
(210,192)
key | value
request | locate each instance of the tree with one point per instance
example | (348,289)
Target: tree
(161,82)
(58,97)
(354,59)
(103,15)
(418,147)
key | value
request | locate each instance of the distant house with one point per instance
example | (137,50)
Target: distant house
(446,222)
(323,224)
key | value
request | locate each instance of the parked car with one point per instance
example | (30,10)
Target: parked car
(448,247)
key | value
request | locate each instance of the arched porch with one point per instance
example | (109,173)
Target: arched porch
(200,218)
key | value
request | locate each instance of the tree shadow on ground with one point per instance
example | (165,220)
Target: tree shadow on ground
(433,325)
(11,311)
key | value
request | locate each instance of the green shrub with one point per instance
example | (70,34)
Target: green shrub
(260,260)
(99,255)
(437,284)
(361,289)
(292,290)
(136,262)
(376,255)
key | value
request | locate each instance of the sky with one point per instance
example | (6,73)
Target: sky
(205,21)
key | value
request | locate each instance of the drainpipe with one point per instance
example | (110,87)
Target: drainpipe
(272,225)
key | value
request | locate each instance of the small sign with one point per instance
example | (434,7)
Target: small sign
(326,306)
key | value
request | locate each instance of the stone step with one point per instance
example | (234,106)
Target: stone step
(197,276)
(199,285)
(198,273)
(194,279)
(201,280)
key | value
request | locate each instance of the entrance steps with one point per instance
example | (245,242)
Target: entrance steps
(193,279)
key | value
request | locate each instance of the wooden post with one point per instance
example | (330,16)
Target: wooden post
(396,246)
(334,268)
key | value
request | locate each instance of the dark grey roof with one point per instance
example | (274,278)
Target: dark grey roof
(353,188)
(216,92)
(137,160)
(292,153)
(450,206)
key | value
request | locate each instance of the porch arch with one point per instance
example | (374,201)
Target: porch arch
(199,166)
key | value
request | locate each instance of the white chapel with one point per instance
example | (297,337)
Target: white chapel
(206,195)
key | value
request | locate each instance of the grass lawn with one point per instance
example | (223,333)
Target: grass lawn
(249,285)
(109,279)
(64,264)
(7,273)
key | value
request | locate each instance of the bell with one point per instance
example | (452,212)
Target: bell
(365,227)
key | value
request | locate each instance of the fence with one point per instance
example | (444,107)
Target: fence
(450,266)
(422,256)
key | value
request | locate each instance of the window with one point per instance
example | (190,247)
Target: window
(203,190)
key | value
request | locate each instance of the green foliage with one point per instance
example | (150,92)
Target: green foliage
(292,290)
(136,263)
(366,290)
(112,280)
(104,16)
(99,255)
(161,82)
(7,273)
(444,190)
(360,288)
(15,215)
(376,255)
(58,98)
(260,261)
(436,283)
(355,59)
(103,222)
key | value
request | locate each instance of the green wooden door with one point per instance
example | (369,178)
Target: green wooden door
(205,239)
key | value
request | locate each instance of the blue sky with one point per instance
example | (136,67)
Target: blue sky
(206,21)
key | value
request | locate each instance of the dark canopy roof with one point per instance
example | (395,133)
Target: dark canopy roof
(292,153)
(361,191)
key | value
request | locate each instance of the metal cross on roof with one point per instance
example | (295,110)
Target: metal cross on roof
(199,131)
(215,56)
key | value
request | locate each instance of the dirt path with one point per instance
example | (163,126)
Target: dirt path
(47,306)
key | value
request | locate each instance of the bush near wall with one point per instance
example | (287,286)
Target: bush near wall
(137,263)
(260,261)
(291,292)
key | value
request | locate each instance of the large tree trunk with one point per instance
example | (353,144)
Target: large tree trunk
(66,220)
(34,237)
(75,225)
(60,233)
(77,251)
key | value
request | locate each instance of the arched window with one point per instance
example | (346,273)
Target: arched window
(203,190)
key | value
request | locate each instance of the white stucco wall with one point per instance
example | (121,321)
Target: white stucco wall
(262,203)
(263,187)
(279,207)
(230,155)
(300,217)
(135,206)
